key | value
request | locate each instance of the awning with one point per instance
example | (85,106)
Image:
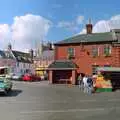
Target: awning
(62,65)
(108,69)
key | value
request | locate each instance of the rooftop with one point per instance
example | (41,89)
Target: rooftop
(112,36)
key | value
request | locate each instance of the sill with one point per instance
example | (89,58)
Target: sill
(95,56)
(107,55)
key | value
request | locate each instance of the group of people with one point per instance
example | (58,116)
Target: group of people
(86,83)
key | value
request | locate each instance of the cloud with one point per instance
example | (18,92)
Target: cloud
(105,25)
(71,25)
(25,31)
(5,34)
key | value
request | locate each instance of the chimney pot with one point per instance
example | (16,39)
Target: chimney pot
(89,27)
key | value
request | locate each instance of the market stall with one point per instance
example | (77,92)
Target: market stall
(103,83)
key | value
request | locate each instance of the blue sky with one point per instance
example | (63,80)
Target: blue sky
(60,10)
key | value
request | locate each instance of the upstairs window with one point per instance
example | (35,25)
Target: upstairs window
(107,50)
(95,51)
(71,53)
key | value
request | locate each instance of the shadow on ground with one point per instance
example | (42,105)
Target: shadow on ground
(13,93)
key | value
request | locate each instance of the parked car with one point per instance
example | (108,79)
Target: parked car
(5,82)
(36,77)
(5,85)
(30,77)
(17,76)
(27,77)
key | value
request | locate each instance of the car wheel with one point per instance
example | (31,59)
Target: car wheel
(6,91)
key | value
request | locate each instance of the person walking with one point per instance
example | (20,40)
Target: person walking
(80,81)
(89,85)
(85,84)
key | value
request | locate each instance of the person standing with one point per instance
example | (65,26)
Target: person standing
(80,82)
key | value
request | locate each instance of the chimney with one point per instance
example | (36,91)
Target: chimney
(89,27)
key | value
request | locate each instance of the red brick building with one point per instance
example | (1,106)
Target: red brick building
(88,51)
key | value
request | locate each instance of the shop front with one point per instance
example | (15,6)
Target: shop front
(108,79)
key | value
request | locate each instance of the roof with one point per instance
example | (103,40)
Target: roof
(22,57)
(89,38)
(6,54)
(109,69)
(4,67)
(2,54)
(62,64)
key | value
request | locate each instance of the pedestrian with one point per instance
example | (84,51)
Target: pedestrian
(80,81)
(85,84)
(89,85)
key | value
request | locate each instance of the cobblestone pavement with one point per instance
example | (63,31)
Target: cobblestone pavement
(42,101)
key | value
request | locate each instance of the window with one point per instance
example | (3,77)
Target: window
(94,71)
(95,51)
(107,65)
(71,53)
(17,64)
(107,50)
(23,65)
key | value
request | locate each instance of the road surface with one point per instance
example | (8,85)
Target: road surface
(42,101)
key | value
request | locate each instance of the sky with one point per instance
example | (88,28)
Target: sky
(26,23)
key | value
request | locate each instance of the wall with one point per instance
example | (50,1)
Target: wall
(7,62)
(85,60)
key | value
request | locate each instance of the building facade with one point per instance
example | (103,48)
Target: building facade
(89,51)
(43,61)
(20,62)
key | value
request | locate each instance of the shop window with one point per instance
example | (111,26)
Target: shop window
(94,71)
(107,50)
(95,51)
(107,65)
(71,53)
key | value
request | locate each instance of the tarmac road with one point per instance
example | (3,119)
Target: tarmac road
(42,101)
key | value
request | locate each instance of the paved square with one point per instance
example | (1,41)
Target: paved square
(41,101)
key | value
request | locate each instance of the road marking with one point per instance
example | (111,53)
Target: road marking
(54,102)
(69,110)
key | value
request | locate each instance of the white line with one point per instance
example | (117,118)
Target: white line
(55,102)
(69,110)
(62,111)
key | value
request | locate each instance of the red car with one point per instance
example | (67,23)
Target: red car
(27,77)
(30,77)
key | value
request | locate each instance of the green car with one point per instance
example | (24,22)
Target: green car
(5,81)
(5,85)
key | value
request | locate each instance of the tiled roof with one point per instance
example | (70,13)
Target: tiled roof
(62,64)
(6,54)
(89,38)
(2,54)
(22,57)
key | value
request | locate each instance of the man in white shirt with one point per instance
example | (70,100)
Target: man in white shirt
(85,83)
